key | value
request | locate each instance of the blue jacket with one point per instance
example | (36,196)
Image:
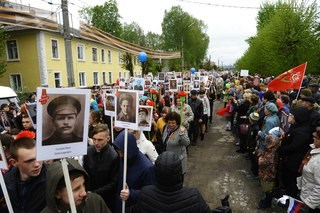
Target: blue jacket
(270,122)
(140,171)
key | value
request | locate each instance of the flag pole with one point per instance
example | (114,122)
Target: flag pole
(304,71)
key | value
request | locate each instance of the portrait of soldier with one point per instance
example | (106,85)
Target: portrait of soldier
(126,108)
(110,103)
(161,76)
(173,84)
(64,111)
(196,84)
(138,85)
(143,114)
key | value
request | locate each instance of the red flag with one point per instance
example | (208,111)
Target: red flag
(292,79)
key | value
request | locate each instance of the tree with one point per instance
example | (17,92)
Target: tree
(104,17)
(284,40)
(154,41)
(181,30)
(127,64)
(3,39)
(133,33)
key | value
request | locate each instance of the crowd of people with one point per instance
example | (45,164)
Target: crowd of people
(279,132)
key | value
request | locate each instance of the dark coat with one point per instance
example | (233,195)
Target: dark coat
(169,195)
(140,171)
(103,171)
(297,142)
(28,196)
(197,108)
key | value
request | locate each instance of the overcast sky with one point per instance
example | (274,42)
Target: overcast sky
(230,22)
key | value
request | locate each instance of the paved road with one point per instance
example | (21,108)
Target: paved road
(216,169)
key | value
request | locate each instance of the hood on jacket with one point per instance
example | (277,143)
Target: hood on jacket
(168,170)
(141,138)
(132,144)
(301,114)
(55,174)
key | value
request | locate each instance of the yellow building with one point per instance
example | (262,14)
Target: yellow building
(35,53)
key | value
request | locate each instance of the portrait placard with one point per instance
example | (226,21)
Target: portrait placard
(109,105)
(145,118)
(3,160)
(32,113)
(138,85)
(196,85)
(173,85)
(62,121)
(127,109)
(284,123)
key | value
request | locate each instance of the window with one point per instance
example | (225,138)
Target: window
(119,58)
(110,77)
(119,75)
(95,78)
(94,54)
(57,79)
(82,79)
(12,50)
(15,82)
(109,56)
(135,60)
(125,75)
(103,60)
(104,77)
(80,49)
(54,48)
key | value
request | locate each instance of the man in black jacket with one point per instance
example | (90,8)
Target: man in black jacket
(197,109)
(102,164)
(26,182)
(169,195)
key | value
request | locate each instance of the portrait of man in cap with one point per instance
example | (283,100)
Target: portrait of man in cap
(143,114)
(138,85)
(63,111)
(125,109)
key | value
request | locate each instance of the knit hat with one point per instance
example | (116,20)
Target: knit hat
(310,99)
(271,107)
(254,116)
(168,171)
(306,92)
(275,131)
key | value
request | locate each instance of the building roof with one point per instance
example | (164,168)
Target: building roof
(17,19)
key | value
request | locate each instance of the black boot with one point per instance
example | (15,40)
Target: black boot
(202,136)
(266,202)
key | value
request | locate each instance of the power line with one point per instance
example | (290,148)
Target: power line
(219,5)
(232,6)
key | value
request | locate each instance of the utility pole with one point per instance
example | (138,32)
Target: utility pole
(67,42)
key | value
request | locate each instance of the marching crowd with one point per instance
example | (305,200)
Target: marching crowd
(279,132)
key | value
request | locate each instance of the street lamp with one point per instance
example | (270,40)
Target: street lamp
(182,53)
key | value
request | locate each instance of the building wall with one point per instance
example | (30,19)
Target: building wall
(34,56)
(27,63)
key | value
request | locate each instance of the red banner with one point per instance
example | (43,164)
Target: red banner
(292,79)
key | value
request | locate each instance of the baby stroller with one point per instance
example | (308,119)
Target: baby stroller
(225,206)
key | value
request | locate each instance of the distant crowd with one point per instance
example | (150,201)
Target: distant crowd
(279,132)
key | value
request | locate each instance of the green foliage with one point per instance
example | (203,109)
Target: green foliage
(3,64)
(179,30)
(133,33)
(127,64)
(286,37)
(154,41)
(104,17)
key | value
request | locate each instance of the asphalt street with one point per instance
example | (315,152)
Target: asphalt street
(216,169)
